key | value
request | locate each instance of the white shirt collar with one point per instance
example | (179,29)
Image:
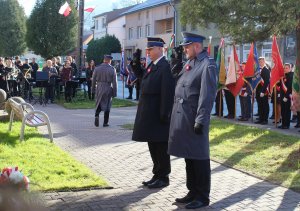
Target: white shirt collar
(157,60)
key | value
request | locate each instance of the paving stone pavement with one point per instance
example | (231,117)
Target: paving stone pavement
(109,152)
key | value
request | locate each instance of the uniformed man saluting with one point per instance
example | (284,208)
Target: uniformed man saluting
(104,84)
(195,93)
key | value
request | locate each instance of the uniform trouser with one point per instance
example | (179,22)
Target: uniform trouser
(90,94)
(298,118)
(263,108)
(286,113)
(161,160)
(49,94)
(230,101)
(245,106)
(106,114)
(198,175)
(130,90)
(217,107)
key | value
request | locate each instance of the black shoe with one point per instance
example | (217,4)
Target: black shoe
(256,114)
(272,117)
(146,183)
(297,126)
(283,127)
(243,119)
(187,199)
(264,123)
(195,204)
(158,184)
(105,124)
(129,98)
(215,114)
(97,121)
(258,122)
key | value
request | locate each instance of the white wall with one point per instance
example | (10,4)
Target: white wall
(116,28)
(99,31)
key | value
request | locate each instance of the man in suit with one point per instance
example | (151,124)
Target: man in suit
(195,93)
(104,86)
(152,119)
(262,93)
(285,96)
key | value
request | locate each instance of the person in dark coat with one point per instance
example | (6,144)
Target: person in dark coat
(262,93)
(195,93)
(285,93)
(152,119)
(104,85)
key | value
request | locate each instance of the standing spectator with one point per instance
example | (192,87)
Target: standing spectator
(152,119)
(104,85)
(49,94)
(262,93)
(245,99)
(285,93)
(66,78)
(89,73)
(189,130)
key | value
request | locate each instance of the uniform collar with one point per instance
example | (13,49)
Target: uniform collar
(157,60)
(203,54)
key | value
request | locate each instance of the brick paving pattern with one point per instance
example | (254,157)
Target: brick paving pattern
(109,152)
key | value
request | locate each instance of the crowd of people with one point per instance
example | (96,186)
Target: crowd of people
(17,77)
(281,107)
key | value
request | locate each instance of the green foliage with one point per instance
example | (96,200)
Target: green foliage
(12,28)
(50,33)
(98,48)
(46,165)
(244,20)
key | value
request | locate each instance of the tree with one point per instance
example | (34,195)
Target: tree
(246,20)
(49,33)
(98,48)
(12,28)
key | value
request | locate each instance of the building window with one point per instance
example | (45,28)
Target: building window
(139,16)
(96,24)
(169,26)
(130,33)
(103,22)
(147,30)
(147,14)
(168,10)
(139,32)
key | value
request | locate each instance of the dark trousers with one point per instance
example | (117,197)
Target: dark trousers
(286,113)
(230,102)
(161,160)
(106,114)
(198,175)
(217,107)
(49,94)
(130,90)
(263,108)
(90,94)
(68,91)
(298,118)
(245,107)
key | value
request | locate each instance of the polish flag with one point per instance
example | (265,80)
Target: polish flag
(89,9)
(65,9)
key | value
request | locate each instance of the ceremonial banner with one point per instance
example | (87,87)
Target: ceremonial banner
(170,47)
(277,70)
(221,65)
(296,89)
(252,71)
(234,81)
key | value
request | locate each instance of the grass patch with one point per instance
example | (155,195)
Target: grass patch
(267,154)
(48,167)
(86,103)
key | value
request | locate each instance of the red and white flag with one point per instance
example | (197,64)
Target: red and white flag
(65,9)
(277,70)
(234,81)
(90,9)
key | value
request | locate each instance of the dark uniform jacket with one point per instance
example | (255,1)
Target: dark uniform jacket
(155,104)
(195,93)
(288,83)
(263,86)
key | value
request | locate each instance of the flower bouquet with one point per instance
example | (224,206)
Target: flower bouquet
(12,177)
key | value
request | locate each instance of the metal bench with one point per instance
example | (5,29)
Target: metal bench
(28,115)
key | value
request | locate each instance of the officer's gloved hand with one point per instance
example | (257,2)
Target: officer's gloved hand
(285,99)
(164,119)
(262,94)
(198,128)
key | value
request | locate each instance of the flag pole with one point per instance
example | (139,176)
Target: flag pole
(252,106)
(275,106)
(220,102)
(234,107)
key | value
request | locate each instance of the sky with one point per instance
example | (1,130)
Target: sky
(101,6)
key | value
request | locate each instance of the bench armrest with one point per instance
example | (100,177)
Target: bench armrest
(28,105)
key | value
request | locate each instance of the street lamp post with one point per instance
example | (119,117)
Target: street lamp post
(80,58)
